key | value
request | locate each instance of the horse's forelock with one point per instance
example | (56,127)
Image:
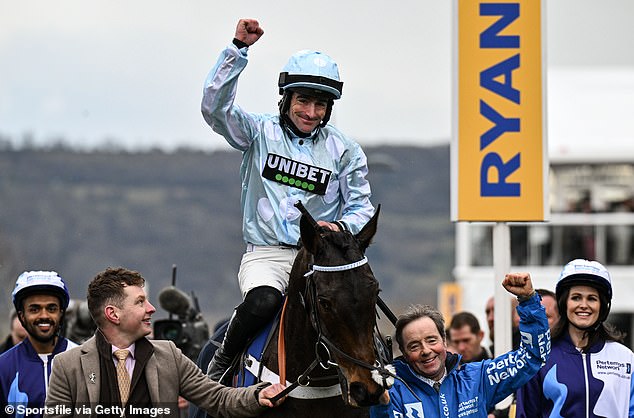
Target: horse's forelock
(344,242)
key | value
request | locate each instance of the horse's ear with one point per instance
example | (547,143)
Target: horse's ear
(309,234)
(367,232)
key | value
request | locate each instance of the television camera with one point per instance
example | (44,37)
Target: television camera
(189,331)
(78,325)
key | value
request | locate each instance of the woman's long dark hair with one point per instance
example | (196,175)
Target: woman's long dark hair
(600,332)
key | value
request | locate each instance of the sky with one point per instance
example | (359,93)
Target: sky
(130,72)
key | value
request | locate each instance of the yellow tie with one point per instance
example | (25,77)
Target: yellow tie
(123,378)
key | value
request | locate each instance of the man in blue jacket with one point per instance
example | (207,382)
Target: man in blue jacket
(430,381)
(40,299)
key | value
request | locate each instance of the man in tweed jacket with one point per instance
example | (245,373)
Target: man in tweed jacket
(84,380)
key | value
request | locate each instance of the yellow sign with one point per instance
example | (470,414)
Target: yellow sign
(449,300)
(499,151)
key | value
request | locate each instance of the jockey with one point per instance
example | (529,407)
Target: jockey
(293,156)
(40,298)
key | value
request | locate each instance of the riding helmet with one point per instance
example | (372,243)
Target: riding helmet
(40,282)
(580,272)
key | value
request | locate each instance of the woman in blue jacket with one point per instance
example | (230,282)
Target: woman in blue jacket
(430,382)
(589,373)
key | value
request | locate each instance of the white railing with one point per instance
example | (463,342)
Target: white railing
(606,237)
(543,248)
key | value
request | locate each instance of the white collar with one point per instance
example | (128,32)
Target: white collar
(432,382)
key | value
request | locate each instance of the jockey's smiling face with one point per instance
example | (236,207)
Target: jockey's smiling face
(307,112)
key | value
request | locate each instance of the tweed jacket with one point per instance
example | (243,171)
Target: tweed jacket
(75,385)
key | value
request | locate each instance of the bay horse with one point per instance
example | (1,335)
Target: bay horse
(329,356)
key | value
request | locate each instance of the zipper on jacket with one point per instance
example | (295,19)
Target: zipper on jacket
(45,361)
(587,385)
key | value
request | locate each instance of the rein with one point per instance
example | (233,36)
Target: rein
(323,345)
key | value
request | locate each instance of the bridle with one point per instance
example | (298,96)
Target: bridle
(323,345)
(310,300)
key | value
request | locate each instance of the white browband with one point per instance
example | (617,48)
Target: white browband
(344,267)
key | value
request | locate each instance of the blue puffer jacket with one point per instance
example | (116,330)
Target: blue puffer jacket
(472,389)
(24,376)
(571,384)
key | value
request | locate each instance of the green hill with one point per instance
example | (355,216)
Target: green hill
(78,213)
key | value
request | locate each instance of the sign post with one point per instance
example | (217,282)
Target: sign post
(499,162)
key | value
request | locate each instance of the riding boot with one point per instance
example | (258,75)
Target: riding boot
(235,340)
(259,307)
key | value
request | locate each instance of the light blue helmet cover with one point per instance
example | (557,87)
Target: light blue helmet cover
(311,70)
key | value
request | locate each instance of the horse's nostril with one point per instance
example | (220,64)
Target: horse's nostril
(359,393)
(362,397)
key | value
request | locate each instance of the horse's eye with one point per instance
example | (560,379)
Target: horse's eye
(324,303)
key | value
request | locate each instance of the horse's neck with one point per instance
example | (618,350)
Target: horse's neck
(299,335)
(299,332)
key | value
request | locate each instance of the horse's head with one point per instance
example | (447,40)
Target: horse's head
(341,295)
